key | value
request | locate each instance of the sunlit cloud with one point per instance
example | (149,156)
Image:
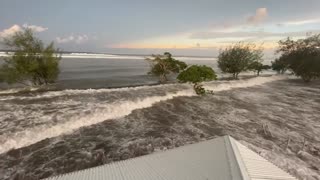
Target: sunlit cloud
(254,29)
(16,28)
(254,34)
(151,46)
(10,31)
(300,22)
(183,42)
(35,28)
(206,40)
(260,16)
(78,39)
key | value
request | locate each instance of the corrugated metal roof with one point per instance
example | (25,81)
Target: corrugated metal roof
(219,159)
(259,168)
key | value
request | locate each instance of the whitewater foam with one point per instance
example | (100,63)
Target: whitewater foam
(110,111)
(68,92)
(228,85)
(105,111)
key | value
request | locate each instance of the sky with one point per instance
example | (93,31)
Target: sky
(184,27)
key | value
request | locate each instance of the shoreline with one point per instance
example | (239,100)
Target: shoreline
(55,87)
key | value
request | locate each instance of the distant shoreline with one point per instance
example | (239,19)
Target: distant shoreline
(54,87)
(116,54)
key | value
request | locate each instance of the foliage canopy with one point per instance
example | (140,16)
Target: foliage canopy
(302,56)
(279,65)
(32,61)
(163,65)
(258,67)
(196,74)
(238,57)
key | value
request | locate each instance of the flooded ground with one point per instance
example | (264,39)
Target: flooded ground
(279,119)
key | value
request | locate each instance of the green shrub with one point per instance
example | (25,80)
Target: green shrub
(302,56)
(238,57)
(32,61)
(163,65)
(258,67)
(196,74)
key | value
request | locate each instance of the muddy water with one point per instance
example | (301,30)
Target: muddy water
(286,108)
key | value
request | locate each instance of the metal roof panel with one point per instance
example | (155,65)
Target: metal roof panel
(218,159)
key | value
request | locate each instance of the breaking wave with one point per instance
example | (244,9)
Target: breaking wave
(36,117)
(228,85)
(110,111)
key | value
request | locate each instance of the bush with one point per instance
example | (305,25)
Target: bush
(196,74)
(32,61)
(302,56)
(163,65)
(279,65)
(238,57)
(258,67)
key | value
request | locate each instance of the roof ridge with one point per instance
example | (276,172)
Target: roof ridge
(236,164)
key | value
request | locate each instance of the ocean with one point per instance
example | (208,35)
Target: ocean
(84,70)
(113,72)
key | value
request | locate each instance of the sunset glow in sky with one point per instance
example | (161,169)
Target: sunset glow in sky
(148,26)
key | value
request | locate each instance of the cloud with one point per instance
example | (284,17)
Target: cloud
(10,31)
(81,38)
(248,29)
(216,35)
(300,22)
(35,28)
(223,29)
(260,16)
(243,34)
(73,39)
(16,28)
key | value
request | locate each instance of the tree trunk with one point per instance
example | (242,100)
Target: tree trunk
(258,73)
(234,76)
(306,78)
(163,78)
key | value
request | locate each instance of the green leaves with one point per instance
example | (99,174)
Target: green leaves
(197,74)
(32,63)
(279,65)
(258,67)
(302,56)
(163,65)
(238,57)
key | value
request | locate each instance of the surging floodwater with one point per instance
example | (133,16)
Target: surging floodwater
(51,133)
(38,116)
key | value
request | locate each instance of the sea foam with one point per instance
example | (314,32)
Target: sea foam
(113,110)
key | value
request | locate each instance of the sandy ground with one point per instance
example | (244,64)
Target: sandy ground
(262,117)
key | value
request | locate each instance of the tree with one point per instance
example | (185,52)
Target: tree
(238,57)
(302,56)
(32,61)
(196,74)
(163,65)
(279,65)
(258,67)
